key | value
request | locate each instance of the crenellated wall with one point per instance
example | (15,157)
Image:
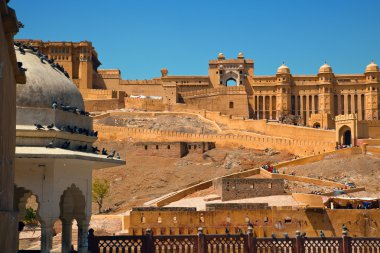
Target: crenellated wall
(298,147)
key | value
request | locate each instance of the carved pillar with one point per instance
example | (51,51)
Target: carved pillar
(345,104)
(270,107)
(312,104)
(66,235)
(46,234)
(301,109)
(82,236)
(360,109)
(307,109)
(264,107)
(339,105)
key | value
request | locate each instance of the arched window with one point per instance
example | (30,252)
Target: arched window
(231,82)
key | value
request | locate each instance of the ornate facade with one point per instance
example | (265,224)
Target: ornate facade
(312,100)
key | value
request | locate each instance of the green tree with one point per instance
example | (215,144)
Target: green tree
(100,190)
(30,217)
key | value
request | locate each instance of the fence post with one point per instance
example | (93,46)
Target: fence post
(299,242)
(202,247)
(346,242)
(149,247)
(93,246)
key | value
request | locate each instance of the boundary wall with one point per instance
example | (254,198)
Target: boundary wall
(297,147)
(310,159)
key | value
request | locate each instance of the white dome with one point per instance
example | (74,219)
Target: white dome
(372,67)
(45,84)
(283,69)
(325,68)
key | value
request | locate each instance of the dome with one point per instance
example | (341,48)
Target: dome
(45,84)
(283,69)
(325,68)
(221,56)
(240,56)
(372,67)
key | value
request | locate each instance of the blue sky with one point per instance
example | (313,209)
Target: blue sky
(141,37)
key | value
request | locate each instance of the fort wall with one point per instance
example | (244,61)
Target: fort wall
(265,221)
(144,104)
(298,147)
(242,188)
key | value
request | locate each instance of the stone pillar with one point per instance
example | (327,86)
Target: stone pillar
(270,107)
(264,107)
(353,109)
(339,104)
(360,109)
(258,107)
(345,104)
(307,109)
(301,109)
(82,236)
(296,105)
(312,104)
(66,235)
(46,234)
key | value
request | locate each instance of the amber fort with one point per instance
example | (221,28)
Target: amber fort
(230,161)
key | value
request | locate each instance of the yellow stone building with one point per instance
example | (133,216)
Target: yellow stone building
(232,88)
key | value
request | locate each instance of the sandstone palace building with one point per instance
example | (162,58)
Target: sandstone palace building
(232,88)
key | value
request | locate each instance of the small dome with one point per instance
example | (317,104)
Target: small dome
(325,68)
(45,85)
(240,56)
(283,69)
(372,67)
(221,56)
(164,72)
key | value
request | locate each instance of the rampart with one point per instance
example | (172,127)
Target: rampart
(298,147)
(242,188)
(144,104)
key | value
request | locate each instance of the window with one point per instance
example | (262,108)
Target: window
(146,147)
(240,72)
(241,82)
(270,185)
(221,72)
(252,186)
(174,219)
(159,220)
(288,220)
(143,219)
(168,146)
(221,82)
(231,105)
(156,146)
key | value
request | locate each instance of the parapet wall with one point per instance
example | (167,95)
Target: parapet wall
(98,105)
(144,104)
(98,94)
(297,147)
(242,188)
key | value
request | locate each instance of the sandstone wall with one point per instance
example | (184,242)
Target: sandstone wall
(265,221)
(144,104)
(98,105)
(239,188)
(227,100)
(298,147)
(165,149)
